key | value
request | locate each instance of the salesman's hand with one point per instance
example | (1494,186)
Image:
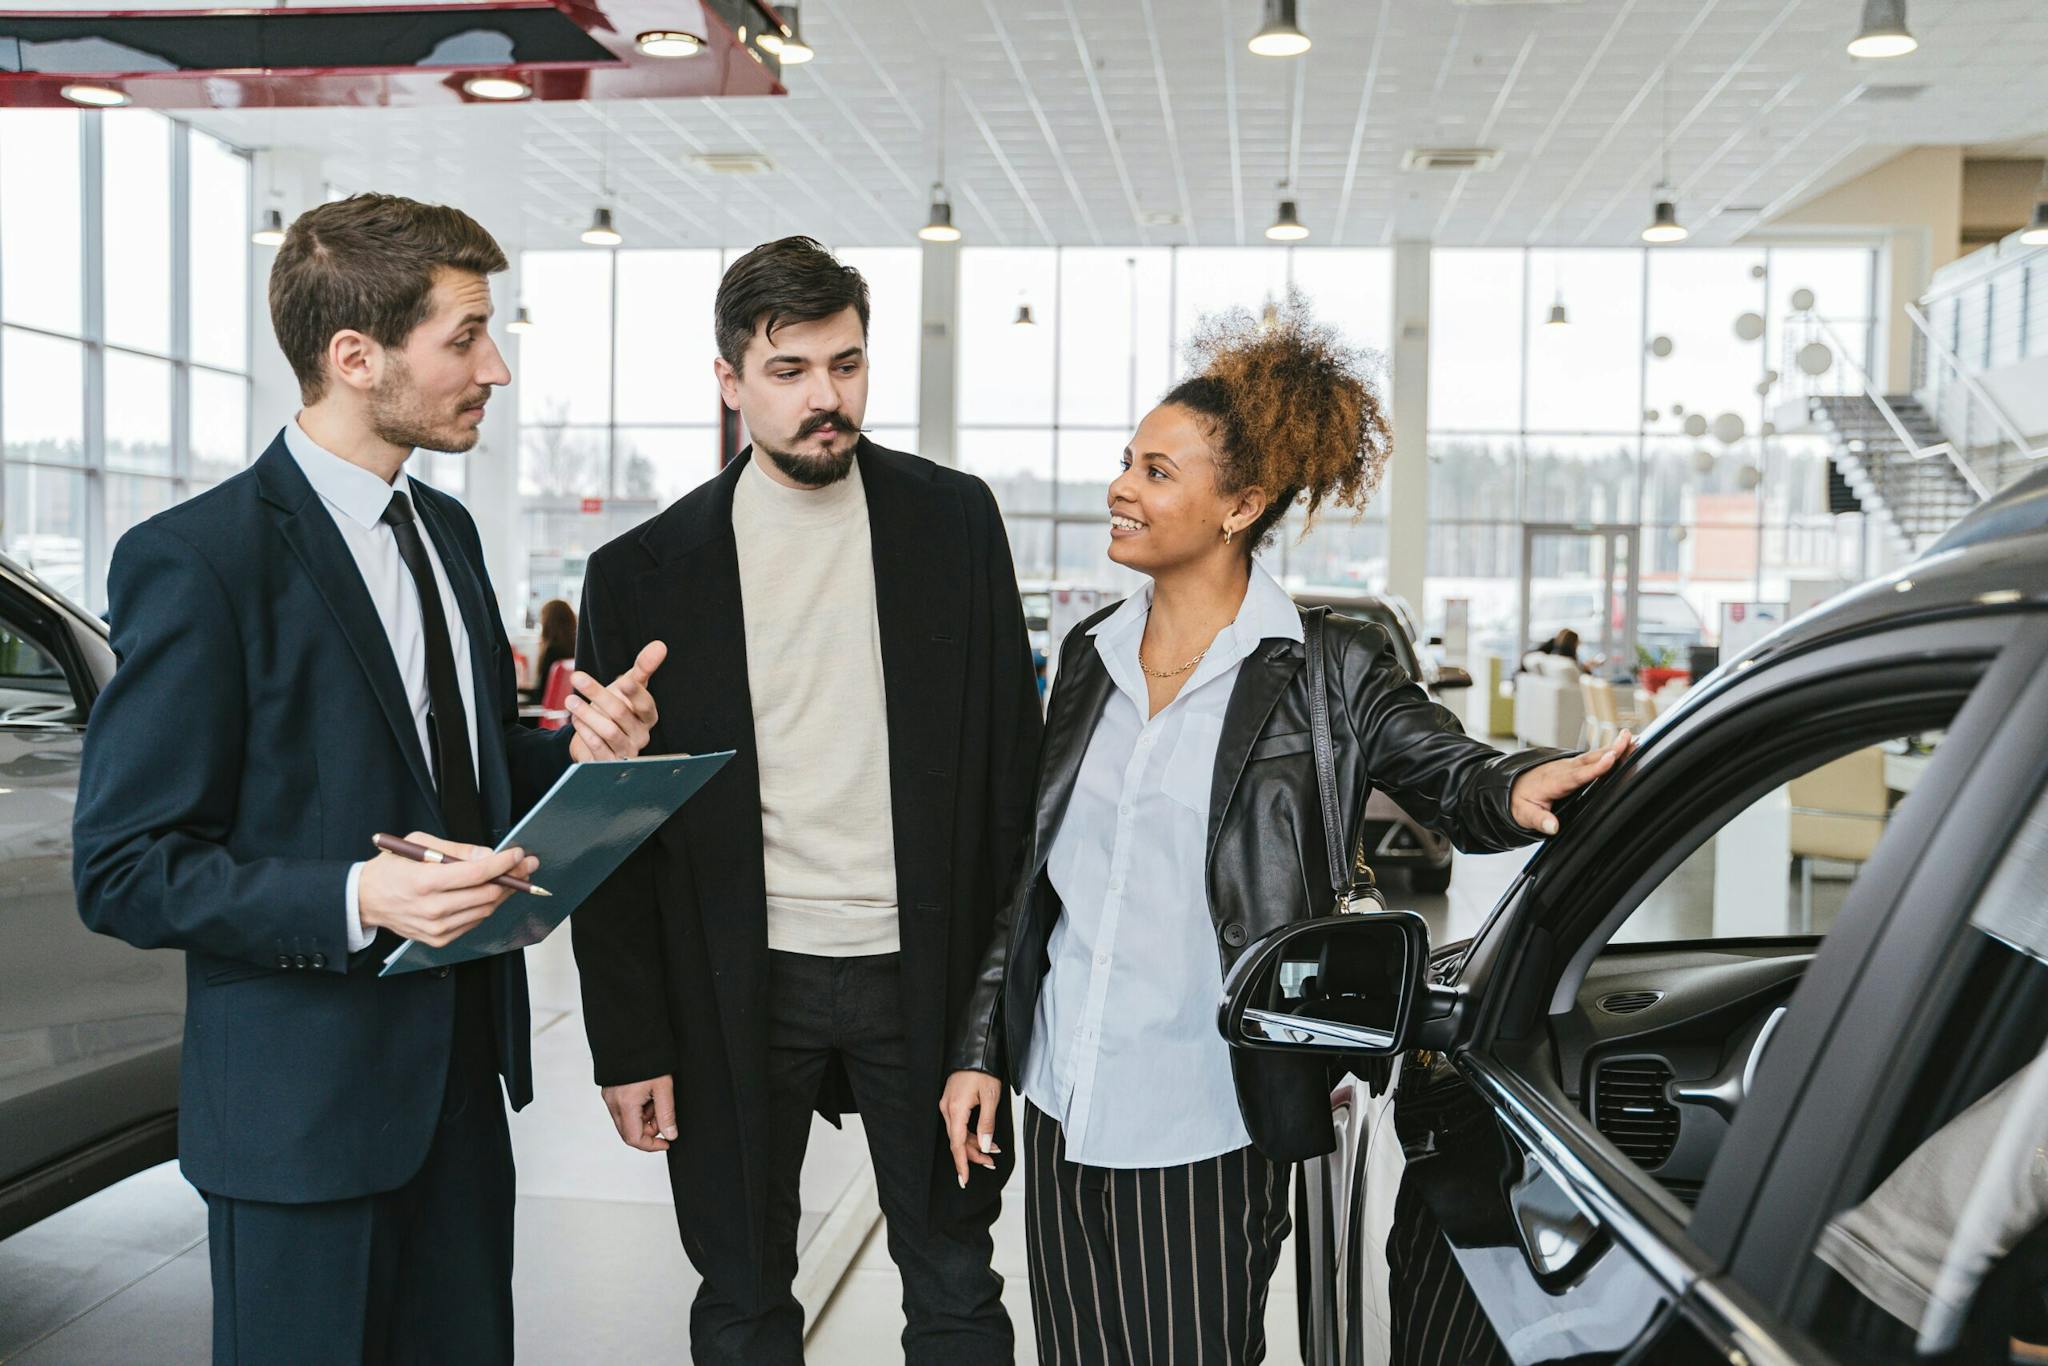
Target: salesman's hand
(1536,793)
(644,1112)
(436,903)
(966,1093)
(614,722)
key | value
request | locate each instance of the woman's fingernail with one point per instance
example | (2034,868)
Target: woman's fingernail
(963,1183)
(988,1143)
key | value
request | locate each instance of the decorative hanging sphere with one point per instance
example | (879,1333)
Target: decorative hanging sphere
(1703,460)
(1695,424)
(1768,429)
(1749,326)
(1756,272)
(1802,299)
(1763,386)
(1678,534)
(1815,358)
(1748,477)
(1773,376)
(1650,415)
(1728,428)
(1678,410)
(1660,347)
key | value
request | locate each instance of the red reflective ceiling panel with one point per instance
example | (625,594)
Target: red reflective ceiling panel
(385,55)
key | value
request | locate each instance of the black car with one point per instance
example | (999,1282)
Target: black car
(1747,1065)
(90,1028)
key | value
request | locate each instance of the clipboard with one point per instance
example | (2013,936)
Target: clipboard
(595,815)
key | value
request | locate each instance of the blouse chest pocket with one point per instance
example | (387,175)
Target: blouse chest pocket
(1191,768)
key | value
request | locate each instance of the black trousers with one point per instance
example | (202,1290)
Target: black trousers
(952,1298)
(418,1274)
(1164,1266)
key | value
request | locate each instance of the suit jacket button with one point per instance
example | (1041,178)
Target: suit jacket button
(1233,935)
(298,960)
(440,972)
(284,960)
(319,960)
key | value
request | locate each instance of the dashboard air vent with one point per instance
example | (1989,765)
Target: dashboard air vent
(1630,1109)
(1629,1002)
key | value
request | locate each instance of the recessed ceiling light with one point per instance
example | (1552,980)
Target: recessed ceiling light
(496,88)
(669,42)
(95,96)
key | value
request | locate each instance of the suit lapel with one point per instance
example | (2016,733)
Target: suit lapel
(478,624)
(306,526)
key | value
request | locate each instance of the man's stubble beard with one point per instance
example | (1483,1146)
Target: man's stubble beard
(397,416)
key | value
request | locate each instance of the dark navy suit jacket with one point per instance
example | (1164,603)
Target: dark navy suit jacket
(254,737)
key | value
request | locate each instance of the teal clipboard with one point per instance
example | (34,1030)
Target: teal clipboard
(581,831)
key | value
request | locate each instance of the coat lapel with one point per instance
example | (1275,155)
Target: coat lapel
(307,528)
(1261,680)
(1078,697)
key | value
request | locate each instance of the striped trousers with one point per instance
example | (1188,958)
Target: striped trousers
(1159,1266)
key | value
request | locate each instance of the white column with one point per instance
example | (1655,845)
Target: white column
(1406,490)
(938,351)
(492,493)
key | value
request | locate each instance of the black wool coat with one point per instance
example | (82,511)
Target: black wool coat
(673,950)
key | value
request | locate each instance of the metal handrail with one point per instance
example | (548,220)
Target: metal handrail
(2006,426)
(1891,416)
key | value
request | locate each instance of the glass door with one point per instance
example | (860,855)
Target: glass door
(1582,579)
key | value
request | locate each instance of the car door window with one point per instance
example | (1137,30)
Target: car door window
(1945,1258)
(34,688)
(1784,864)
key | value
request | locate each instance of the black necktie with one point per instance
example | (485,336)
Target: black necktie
(461,808)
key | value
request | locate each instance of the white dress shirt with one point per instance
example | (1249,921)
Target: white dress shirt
(356,499)
(1125,1053)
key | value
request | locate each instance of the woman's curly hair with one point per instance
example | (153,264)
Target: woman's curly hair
(1292,410)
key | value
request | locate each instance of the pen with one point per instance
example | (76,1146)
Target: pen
(391,844)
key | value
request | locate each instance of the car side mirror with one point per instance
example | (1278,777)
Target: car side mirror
(1346,984)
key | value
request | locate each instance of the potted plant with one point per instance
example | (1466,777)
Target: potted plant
(1655,668)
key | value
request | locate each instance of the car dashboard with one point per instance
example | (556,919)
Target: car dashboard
(1663,1041)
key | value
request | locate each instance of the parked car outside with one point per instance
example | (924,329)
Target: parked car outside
(1394,841)
(1748,1064)
(89,1027)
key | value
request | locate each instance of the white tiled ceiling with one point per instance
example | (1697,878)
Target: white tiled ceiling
(1085,122)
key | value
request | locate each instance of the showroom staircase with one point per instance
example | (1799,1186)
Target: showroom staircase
(1898,464)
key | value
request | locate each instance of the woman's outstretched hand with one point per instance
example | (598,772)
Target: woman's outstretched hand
(1534,797)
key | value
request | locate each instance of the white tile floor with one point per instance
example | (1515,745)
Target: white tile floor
(601,1275)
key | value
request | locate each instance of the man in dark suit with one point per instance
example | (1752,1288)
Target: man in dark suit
(310,653)
(802,936)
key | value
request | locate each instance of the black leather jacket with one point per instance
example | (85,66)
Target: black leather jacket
(1267,864)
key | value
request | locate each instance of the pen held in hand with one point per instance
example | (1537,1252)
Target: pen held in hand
(391,844)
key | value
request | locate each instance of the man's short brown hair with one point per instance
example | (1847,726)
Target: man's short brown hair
(792,280)
(366,263)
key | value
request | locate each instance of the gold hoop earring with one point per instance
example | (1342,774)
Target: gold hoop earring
(1226,535)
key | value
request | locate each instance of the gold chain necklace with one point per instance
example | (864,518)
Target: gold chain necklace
(1168,673)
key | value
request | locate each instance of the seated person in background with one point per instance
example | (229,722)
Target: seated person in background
(557,642)
(1565,644)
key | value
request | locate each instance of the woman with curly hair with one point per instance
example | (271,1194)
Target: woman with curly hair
(1178,821)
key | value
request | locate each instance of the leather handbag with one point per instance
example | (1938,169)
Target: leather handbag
(1353,888)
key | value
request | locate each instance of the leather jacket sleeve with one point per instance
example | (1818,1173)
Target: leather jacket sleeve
(1415,751)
